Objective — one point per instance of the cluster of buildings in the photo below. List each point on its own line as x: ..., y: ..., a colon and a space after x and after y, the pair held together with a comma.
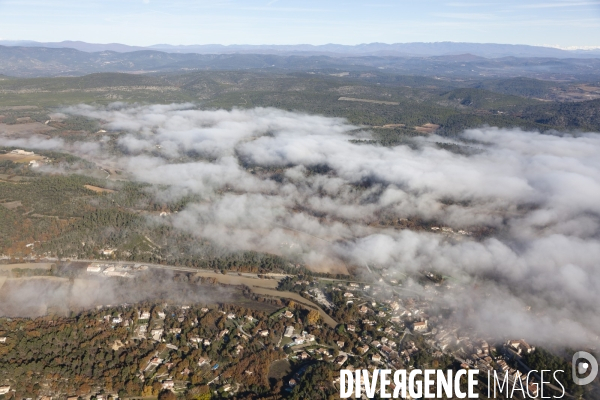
x: 298, y: 338
x: 317, y: 295
x: 20, y: 152
x: 450, y: 231
x: 115, y: 270
x: 386, y: 331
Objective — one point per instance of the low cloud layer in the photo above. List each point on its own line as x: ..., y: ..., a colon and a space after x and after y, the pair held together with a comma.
x: 34, y: 297
x: 285, y: 182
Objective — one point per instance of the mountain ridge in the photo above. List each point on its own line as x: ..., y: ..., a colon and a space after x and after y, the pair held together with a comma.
x: 45, y: 61
x: 488, y: 50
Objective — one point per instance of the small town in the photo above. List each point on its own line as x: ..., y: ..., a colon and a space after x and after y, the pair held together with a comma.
x: 224, y: 350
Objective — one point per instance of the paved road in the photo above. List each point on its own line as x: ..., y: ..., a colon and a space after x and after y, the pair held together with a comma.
x: 257, y: 285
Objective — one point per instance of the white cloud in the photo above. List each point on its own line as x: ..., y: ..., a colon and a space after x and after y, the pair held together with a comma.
x: 538, y: 194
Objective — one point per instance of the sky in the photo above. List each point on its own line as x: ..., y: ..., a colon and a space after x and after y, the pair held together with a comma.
x: 146, y: 22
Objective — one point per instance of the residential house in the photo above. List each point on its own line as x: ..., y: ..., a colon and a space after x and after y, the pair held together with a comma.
x: 223, y: 333
x: 420, y: 326
x: 341, y: 359
x: 202, y: 361
x: 289, y: 331
x: 156, y: 334
x: 520, y: 346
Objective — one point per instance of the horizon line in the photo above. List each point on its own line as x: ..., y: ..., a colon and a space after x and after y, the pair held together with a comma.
x: 549, y: 46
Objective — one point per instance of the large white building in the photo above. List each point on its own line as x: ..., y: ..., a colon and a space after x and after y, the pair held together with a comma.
x: 94, y: 269
x: 22, y: 152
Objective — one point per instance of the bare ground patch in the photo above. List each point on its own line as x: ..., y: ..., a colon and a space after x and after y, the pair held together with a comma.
x: 389, y: 103
x: 390, y: 126
x: 20, y: 158
x: 31, y: 127
x: 117, y: 345
x: 11, y: 205
x: 240, y: 280
x: 17, y: 108
x: 427, y: 128
x: 98, y: 189
x: 279, y: 369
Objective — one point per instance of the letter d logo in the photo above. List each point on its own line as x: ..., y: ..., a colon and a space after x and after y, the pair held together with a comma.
x: 583, y: 367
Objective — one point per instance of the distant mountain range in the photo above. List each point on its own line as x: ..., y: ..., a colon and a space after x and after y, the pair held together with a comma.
x: 488, y: 50
x: 24, y: 61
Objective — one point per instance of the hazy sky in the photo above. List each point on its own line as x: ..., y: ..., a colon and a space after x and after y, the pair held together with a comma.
x: 145, y: 22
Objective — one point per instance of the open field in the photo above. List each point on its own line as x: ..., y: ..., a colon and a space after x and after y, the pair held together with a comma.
x: 279, y: 369
x: 13, y: 178
x: 11, y: 205
x: 582, y: 92
x: 46, y: 266
x: 98, y: 189
x: 18, y: 108
x: 240, y: 280
x: 54, y: 279
x: 29, y: 127
x: 18, y: 158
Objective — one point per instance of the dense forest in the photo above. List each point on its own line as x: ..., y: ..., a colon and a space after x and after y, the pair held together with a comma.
x: 454, y: 103
x: 542, y: 359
